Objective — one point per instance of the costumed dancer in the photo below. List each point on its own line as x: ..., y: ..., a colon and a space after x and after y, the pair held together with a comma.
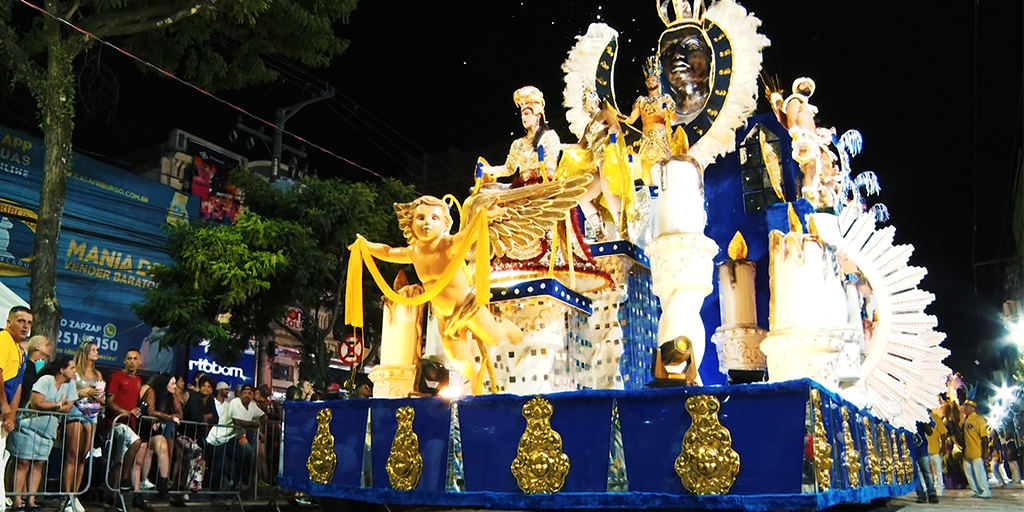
x: 534, y: 156
x: 601, y: 152
x: 976, y: 450
x: 655, y: 112
x: 527, y: 152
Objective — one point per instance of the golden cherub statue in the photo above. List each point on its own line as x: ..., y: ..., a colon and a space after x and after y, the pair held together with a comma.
x: 493, y: 222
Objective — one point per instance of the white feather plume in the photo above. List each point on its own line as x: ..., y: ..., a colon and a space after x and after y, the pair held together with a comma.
x: 741, y: 29
x: 580, y: 68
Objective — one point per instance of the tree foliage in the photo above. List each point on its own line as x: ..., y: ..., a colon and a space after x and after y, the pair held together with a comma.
x: 289, y: 249
x: 215, y: 44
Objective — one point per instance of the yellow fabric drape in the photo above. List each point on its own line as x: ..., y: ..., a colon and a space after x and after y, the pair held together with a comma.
x: 477, y: 234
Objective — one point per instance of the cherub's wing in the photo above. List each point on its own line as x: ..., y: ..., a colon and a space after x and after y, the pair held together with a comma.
x: 522, y: 215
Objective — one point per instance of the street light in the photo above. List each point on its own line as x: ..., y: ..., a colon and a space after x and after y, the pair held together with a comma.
x: 1017, y: 333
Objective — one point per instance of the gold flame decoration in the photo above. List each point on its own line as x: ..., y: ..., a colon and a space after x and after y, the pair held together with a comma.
x: 738, y: 247
x: 794, y: 221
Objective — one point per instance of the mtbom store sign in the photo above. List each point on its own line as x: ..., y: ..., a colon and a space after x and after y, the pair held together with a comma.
x: 240, y: 372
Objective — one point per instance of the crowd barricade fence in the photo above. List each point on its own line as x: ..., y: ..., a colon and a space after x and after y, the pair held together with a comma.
x: 202, y: 461
x: 270, y: 460
x: 37, y: 447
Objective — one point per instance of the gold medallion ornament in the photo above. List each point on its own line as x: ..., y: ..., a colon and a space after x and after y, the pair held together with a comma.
x: 405, y: 464
x: 707, y: 463
x: 540, y: 465
x: 322, y: 459
x: 874, y: 461
x: 822, y: 448
x: 852, y: 456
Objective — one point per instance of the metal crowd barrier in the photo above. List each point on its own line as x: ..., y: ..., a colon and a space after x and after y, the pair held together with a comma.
x: 37, y: 448
x: 194, y: 467
x: 270, y: 461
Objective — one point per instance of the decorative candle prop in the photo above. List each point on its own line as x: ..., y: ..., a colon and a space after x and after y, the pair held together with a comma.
x: 736, y: 285
x: 738, y: 339
x: 800, y: 342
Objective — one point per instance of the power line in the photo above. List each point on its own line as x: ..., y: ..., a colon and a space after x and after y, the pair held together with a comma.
x: 201, y: 90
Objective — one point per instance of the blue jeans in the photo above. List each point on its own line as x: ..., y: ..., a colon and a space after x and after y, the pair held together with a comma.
x: 232, y: 460
x: 925, y: 485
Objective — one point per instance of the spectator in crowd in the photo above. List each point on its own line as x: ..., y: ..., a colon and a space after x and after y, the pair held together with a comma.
x: 306, y: 391
x: 39, y: 351
x: 200, y: 407
x: 124, y: 396
x: 54, y: 391
x: 12, y: 359
x: 227, y: 444
x: 181, y: 392
x: 291, y: 394
x: 364, y: 386
x: 164, y: 407
x: 976, y: 450
x: 82, y: 418
x: 220, y: 400
x: 196, y: 377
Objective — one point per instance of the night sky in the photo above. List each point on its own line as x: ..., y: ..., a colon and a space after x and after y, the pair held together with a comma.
x: 935, y: 87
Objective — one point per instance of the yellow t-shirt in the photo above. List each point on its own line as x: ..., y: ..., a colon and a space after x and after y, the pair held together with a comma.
x: 938, y: 431
x: 975, y: 428
x: 10, y: 356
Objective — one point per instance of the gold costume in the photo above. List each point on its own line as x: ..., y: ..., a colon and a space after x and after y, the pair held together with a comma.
x: 654, y: 147
x: 523, y: 157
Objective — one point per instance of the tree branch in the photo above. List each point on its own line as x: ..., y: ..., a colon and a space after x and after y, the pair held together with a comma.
x: 105, y: 25
x: 73, y: 9
x: 25, y: 69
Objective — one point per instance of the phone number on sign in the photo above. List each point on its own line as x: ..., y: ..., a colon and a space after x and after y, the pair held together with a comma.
x: 74, y: 339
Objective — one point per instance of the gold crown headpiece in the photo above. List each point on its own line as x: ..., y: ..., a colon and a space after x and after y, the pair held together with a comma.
x: 682, y: 11
x: 529, y: 95
x: 652, y: 67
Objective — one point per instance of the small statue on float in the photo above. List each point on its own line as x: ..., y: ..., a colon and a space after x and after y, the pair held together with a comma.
x: 492, y: 223
x: 810, y: 144
x: 655, y: 111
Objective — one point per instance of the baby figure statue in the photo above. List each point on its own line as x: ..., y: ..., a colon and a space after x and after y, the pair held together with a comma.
x: 426, y: 224
x: 493, y: 222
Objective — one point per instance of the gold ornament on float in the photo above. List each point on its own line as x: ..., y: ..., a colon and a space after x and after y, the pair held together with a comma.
x: 899, y: 459
x: 822, y: 448
x: 405, y: 464
x: 908, y: 459
x: 886, y: 455
x: 322, y: 459
x: 540, y: 466
x: 874, y: 461
x: 852, y: 455
x: 707, y: 463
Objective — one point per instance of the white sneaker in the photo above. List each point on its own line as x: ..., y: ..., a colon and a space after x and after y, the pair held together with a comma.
x: 69, y: 508
x: 77, y: 505
x: 146, y: 484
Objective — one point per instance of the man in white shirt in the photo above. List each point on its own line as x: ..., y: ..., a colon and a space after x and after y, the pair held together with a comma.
x: 220, y: 397
x: 228, y: 451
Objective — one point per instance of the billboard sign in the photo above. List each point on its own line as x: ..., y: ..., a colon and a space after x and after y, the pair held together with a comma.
x: 111, y: 237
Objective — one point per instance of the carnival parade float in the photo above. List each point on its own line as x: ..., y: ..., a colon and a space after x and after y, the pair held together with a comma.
x: 687, y: 305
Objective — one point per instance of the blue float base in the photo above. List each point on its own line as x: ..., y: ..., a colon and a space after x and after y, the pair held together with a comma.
x: 767, y: 422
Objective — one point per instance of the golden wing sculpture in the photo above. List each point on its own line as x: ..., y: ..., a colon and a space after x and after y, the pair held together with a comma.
x: 522, y: 215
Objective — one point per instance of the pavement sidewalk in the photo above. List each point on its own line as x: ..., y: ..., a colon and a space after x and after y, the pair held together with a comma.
x: 1003, y: 499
